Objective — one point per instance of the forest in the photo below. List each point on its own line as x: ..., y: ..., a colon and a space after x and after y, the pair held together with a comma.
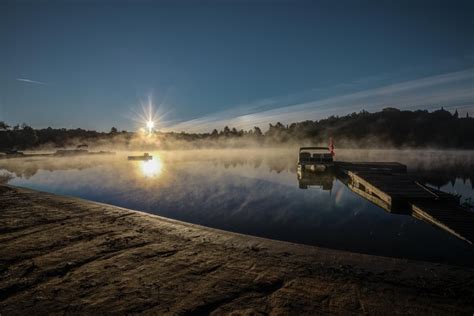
x: 387, y: 128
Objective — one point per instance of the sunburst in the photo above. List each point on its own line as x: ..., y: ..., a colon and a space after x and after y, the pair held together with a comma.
x: 150, y: 117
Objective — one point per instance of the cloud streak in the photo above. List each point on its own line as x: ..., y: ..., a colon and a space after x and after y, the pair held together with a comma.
x: 451, y: 90
x: 31, y: 81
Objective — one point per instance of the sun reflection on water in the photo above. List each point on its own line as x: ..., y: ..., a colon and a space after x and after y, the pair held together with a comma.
x: 151, y: 168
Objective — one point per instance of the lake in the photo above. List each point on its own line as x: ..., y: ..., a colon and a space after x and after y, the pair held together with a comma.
x: 257, y: 192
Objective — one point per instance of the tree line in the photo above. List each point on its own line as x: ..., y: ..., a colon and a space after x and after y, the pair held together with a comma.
x: 387, y: 128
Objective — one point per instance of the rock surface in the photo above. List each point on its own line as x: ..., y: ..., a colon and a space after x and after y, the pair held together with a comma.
x: 62, y: 255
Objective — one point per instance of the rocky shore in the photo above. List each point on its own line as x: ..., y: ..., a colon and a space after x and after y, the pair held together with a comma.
x: 62, y: 255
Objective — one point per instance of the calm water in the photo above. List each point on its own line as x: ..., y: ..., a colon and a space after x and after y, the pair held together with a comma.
x: 257, y: 192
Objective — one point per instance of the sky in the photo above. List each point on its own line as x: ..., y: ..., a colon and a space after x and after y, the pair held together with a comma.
x: 207, y: 64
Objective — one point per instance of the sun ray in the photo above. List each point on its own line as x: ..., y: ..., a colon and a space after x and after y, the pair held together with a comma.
x: 150, y: 117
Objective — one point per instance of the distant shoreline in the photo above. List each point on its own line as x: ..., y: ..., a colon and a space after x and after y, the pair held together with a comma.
x: 389, y: 128
x: 63, y: 254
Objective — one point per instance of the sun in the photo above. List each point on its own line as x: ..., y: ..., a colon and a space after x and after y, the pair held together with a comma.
x: 151, y: 118
x: 150, y: 125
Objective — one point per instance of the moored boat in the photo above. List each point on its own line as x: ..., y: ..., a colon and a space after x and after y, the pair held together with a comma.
x: 144, y: 157
x: 316, y: 159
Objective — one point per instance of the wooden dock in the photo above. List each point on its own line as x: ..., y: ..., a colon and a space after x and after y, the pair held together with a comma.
x: 389, y: 187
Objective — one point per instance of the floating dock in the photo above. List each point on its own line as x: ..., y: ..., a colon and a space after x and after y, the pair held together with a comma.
x: 388, y: 186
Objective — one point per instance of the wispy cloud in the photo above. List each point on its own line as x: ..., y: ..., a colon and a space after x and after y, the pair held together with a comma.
x: 31, y: 81
x: 451, y: 90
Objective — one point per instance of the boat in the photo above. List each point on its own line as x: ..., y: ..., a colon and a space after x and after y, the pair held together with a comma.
x: 144, y: 157
x: 316, y: 159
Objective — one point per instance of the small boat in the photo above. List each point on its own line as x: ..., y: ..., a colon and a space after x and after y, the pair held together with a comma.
x: 316, y: 159
x: 144, y: 157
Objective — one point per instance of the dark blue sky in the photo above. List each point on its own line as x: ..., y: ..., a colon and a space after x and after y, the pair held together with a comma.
x: 92, y: 62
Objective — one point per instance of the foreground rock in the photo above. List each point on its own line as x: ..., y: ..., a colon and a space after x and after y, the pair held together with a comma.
x: 65, y: 255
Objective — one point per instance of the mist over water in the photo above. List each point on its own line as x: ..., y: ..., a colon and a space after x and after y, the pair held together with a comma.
x: 256, y: 192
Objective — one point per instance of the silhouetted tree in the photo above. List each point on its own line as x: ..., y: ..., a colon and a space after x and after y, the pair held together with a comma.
x: 389, y: 127
x: 3, y: 125
x: 226, y: 131
x: 257, y: 131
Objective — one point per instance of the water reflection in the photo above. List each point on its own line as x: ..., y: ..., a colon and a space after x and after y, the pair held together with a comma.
x: 258, y: 192
x: 323, y: 180
x: 440, y: 209
x: 151, y: 168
